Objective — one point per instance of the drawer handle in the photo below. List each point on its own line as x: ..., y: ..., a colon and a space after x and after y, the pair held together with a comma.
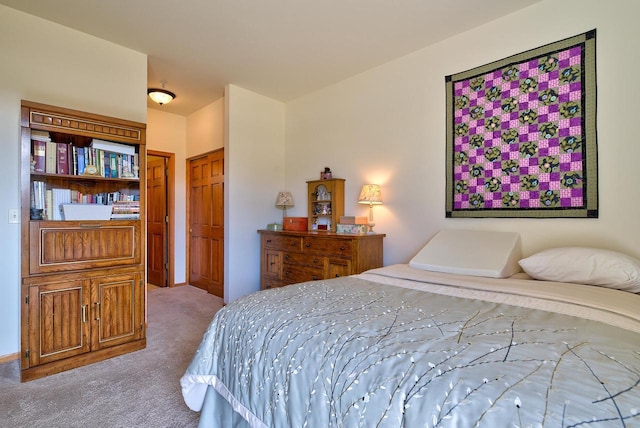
x: 315, y: 260
x: 315, y: 278
x: 337, y: 276
x: 286, y: 272
x: 90, y: 226
x: 268, y: 241
x: 287, y: 257
x: 293, y: 244
x: 308, y: 245
x: 342, y: 248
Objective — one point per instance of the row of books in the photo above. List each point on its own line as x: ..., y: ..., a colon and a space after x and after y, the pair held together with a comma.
x: 49, y: 202
x: 112, y: 160
x: 124, y: 210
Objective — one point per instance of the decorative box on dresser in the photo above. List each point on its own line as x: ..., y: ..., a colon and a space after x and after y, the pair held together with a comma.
x: 83, y: 280
x: 288, y: 257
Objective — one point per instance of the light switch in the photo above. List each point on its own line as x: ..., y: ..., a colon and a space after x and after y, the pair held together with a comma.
x: 13, y: 216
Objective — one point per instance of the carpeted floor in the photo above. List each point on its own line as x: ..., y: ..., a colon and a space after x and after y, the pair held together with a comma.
x: 140, y: 389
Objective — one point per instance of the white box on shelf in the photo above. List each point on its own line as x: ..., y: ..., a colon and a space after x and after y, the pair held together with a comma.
x: 86, y: 211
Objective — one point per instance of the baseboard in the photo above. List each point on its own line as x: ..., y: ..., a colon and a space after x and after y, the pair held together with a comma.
x: 7, y: 358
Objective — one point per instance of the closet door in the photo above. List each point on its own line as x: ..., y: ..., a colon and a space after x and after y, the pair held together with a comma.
x: 206, y: 222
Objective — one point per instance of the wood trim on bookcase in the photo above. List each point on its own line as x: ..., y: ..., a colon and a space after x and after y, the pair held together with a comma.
x: 69, y: 121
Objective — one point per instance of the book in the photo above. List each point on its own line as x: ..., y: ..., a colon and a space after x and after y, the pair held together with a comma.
x: 60, y: 197
x: 63, y: 158
x: 110, y: 146
x: 81, y: 160
x: 48, y: 204
x: 36, y: 134
x: 51, y: 158
x: 39, y: 155
x: 113, y: 162
x: 73, y: 160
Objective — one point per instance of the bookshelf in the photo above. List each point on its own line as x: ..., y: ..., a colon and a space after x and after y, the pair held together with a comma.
x: 82, y: 241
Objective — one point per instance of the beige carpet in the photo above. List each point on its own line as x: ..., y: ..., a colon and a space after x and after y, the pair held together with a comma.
x: 140, y: 389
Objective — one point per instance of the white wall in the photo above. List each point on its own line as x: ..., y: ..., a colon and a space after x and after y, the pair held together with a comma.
x: 45, y: 62
x: 205, y: 129
x: 254, y: 173
x: 167, y: 132
x: 387, y: 126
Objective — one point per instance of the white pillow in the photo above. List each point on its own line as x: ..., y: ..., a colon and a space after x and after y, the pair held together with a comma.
x: 471, y: 252
x: 584, y: 265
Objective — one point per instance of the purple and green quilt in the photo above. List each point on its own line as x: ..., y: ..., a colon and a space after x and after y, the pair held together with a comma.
x: 521, y: 135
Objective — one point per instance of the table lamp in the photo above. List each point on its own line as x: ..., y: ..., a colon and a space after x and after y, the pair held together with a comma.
x: 284, y: 200
x: 370, y: 194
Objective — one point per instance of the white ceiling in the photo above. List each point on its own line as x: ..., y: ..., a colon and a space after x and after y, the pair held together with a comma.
x: 282, y: 49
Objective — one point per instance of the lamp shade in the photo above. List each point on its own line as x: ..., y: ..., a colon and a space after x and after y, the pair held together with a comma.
x: 284, y: 200
x: 161, y: 96
x: 370, y: 194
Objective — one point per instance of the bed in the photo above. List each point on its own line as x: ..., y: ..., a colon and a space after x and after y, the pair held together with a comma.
x: 432, y: 343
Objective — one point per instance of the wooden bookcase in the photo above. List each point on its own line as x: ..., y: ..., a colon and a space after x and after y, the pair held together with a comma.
x: 82, y: 280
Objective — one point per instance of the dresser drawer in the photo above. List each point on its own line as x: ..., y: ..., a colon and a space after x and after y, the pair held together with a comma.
x: 283, y: 242
x: 328, y: 246
x: 292, y: 274
x: 303, y: 259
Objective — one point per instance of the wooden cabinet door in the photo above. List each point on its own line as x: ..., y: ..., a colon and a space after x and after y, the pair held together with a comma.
x: 206, y: 222
x: 338, y: 267
x: 272, y: 264
x: 116, y: 310
x: 59, y: 326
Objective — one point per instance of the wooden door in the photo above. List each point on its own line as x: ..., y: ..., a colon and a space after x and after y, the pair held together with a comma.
x: 206, y: 222
x: 157, y: 263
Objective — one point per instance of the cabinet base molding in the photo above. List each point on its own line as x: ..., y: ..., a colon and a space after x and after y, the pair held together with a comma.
x: 43, y: 370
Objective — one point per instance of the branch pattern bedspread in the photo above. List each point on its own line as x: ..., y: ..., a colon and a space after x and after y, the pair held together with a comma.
x: 351, y: 352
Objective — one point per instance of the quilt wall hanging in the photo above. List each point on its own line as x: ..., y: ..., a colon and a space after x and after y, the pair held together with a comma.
x: 521, y: 134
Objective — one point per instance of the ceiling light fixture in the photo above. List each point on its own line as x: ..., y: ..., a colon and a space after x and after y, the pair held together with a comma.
x: 161, y: 96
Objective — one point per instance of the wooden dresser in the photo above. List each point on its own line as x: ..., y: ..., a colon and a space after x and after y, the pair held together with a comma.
x: 287, y: 257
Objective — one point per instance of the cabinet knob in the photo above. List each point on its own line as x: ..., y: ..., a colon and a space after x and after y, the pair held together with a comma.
x: 286, y: 272
x: 287, y: 257
x: 315, y: 278
x: 315, y: 260
x: 308, y: 245
x: 268, y: 241
x: 337, y: 276
x: 342, y: 248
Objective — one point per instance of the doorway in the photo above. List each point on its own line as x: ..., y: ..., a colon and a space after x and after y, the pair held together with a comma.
x: 205, y: 219
x: 160, y: 225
